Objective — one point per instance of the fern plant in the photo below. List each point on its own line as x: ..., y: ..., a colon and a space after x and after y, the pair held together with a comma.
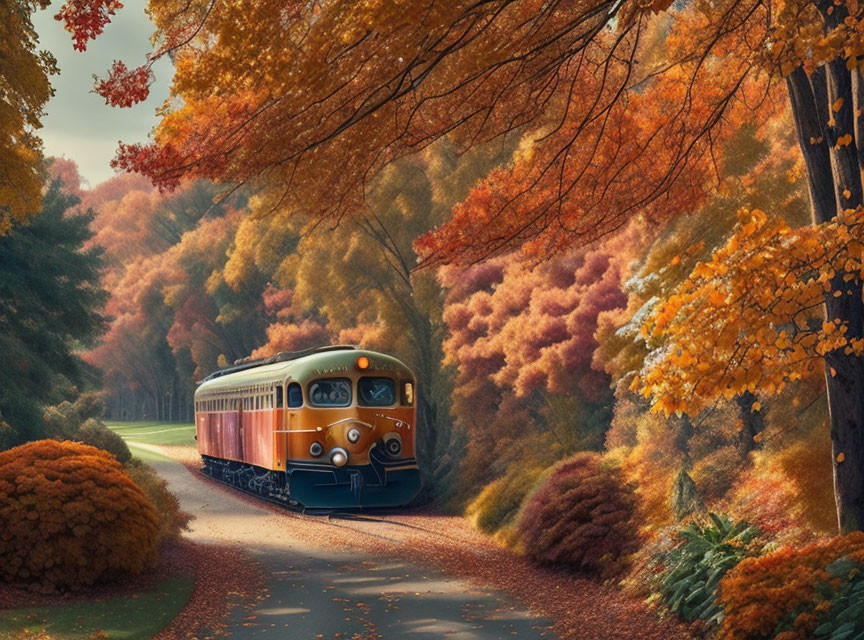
x: 845, y: 617
x: 696, y: 566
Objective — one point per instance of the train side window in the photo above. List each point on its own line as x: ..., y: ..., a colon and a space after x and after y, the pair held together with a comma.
x: 408, y: 393
x: 279, y: 397
x: 295, y: 395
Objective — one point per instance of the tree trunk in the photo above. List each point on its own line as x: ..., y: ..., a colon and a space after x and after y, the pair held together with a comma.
x: 685, y: 498
x: 753, y: 423
x: 824, y: 108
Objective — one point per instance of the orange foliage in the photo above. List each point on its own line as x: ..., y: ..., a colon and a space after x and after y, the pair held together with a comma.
x: 71, y: 516
x: 745, y: 319
x: 293, y: 337
x: 780, y: 587
x: 807, y: 466
x: 789, y: 493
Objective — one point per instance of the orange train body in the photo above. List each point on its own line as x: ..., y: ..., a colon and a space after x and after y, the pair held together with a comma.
x: 313, y: 428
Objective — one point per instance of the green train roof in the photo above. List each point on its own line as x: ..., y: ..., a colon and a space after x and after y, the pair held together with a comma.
x: 321, y: 362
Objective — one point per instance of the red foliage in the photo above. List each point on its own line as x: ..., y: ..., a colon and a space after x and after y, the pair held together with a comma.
x: 528, y: 328
x: 150, y: 160
x: 583, y: 517
x: 86, y: 19
x: 71, y: 516
x: 125, y: 87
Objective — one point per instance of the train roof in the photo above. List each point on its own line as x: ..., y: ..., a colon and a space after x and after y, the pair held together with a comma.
x: 300, y: 365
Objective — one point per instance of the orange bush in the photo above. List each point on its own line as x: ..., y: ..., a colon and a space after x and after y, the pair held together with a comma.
x: 71, y: 516
x: 778, y: 595
x: 583, y: 517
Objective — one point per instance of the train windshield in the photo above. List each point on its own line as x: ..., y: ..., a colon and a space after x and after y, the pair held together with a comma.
x: 333, y: 392
x: 376, y: 392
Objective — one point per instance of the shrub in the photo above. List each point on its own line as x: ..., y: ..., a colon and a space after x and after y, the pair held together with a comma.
x: 71, y: 516
x: 812, y: 592
x: 172, y: 521
x: 62, y: 421
x: 96, y: 434
x: 498, y: 504
x: 583, y: 517
x: 695, y: 567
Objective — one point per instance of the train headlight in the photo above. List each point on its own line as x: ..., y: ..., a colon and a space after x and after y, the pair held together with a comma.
x: 393, y: 444
x: 353, y: 435
x: 338, y: 457
x: 316, y: 449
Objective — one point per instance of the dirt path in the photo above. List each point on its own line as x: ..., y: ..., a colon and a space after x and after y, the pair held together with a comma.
x: 318, y: 591
x: 410, y: 575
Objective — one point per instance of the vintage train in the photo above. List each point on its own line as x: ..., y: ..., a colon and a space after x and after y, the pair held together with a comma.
x: 327, y: 428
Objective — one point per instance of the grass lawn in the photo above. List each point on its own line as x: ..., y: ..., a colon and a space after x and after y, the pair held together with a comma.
x: 155, y: 433
x: 139, y: 616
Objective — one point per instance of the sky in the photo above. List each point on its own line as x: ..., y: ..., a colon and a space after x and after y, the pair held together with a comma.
x: 79, y: 125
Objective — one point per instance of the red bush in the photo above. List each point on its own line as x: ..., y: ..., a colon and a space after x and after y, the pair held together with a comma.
x: 583, y: 517
x: 71, y: 516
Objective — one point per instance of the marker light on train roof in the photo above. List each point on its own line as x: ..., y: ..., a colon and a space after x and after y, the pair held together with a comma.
x: 362, y: 362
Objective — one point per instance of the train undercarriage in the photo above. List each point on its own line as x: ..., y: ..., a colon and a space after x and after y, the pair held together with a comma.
x: 310, y: 487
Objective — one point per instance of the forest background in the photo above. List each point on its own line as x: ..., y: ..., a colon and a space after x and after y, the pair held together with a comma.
x: 621, y: 262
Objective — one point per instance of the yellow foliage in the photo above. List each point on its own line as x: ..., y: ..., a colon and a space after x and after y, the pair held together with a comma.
x: 746, y: 320
x: 26, y: 89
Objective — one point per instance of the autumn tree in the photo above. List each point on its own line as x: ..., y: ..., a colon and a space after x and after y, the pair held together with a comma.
x: 521, y: 340
x: 316, y: 98
x: 354, y: 283
x: 173, y: 318
x: 25, y: 87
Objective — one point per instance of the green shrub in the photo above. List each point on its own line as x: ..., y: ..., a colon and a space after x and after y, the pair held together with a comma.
x: 845, y: 615
x: 79, y: 421
x: 695, y: 567
x: 62, y: 421
x: 96, y: 434
x: 583, y: 517
x: 172, y: 521
x: 498, y: 504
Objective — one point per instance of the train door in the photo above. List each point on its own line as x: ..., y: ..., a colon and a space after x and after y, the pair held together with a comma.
x: 280, y: 427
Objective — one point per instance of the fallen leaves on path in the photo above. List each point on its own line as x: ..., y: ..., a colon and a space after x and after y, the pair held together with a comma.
x: 225, y: 576
x: 579, y: 608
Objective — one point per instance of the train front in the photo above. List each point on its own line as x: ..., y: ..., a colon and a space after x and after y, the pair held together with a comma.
x: 351, y: 423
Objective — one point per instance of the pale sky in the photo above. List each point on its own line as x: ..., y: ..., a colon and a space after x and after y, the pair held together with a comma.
x: 79, y: 125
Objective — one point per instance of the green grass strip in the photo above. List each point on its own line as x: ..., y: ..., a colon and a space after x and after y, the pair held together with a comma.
x: 137, y: 617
